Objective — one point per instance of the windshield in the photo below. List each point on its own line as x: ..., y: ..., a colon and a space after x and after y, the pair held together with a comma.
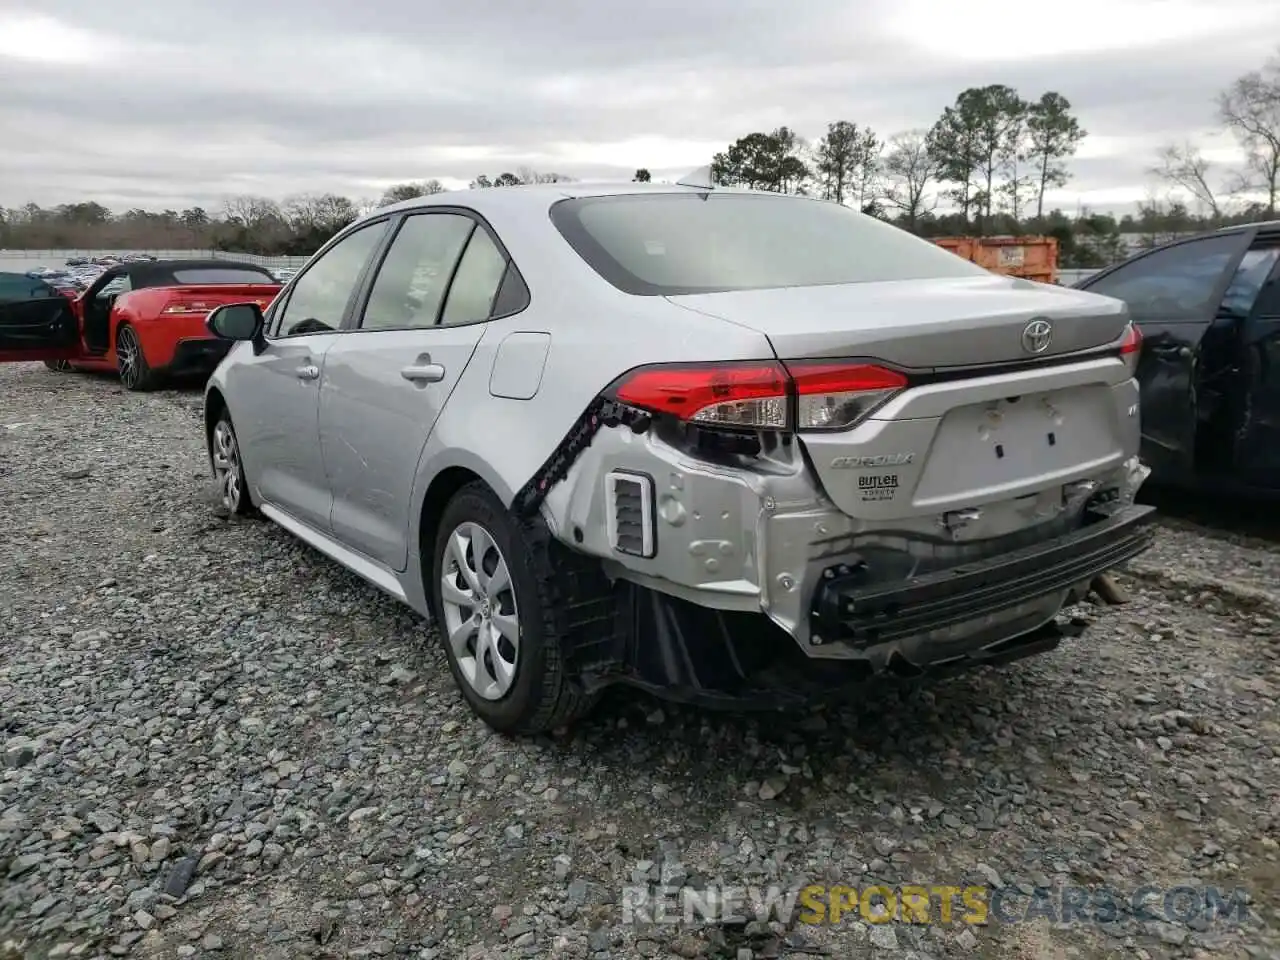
x: 222, y: 275
x: 663, y: 244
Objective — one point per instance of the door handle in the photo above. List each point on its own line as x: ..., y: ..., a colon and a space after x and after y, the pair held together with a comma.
x: 423, y: 373
x: 309, y: 372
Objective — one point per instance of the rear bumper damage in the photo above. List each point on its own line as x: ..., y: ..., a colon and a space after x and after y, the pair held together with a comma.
x: 987, y: 613
x: 913, y: 616
x: 687, y: 654
x: 736, y: 578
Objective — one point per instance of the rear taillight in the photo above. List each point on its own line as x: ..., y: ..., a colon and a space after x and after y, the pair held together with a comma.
x: 761, y: 395
x: 835, y: 396
x: 1131, y: 347
x: 744, y: 395
x: 187, y: 307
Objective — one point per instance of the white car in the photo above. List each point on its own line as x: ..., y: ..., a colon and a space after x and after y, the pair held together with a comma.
x: 723, y: 445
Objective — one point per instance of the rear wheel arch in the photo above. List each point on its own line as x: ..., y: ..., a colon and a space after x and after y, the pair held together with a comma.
x: 441, y: 490
x: 546, y: 587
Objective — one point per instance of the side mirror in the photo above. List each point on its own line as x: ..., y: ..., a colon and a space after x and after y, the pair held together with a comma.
x: 236, y: 321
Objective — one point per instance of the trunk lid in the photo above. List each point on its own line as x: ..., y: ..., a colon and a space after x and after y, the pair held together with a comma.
x: 923, y: 324
x: 992, y: 433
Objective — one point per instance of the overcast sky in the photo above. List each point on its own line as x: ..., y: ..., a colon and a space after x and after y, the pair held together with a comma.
x: 170, y: 103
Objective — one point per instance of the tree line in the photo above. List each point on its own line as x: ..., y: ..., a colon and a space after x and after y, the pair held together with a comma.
x: 991, y: 154
x: 984, y: 167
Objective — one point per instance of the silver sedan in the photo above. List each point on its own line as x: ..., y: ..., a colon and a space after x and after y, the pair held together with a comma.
x: 730, y: 447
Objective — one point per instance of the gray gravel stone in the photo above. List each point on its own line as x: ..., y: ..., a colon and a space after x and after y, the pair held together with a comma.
x: 217, y: 743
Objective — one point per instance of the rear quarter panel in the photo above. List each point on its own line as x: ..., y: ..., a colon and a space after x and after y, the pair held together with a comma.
x: 593, y: 342
x: 159, y: 336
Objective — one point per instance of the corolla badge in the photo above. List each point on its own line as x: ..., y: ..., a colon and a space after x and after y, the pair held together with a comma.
x: 879, y: 460
x: 1037, y: 335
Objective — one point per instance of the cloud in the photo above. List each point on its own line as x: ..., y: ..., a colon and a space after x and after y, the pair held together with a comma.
x: 186, y: 102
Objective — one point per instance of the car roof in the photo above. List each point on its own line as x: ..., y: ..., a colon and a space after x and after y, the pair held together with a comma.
x: 534, y: 197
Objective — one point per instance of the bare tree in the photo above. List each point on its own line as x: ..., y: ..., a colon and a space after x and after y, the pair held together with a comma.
x: 1186, y: 168
x: 910, y: 168
x: 323, y: 212
x: 1250, y: 109
x: 251, y: 212
x: 529, y: 175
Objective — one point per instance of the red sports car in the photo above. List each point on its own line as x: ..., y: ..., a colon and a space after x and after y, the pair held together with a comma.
x: 144, y: 319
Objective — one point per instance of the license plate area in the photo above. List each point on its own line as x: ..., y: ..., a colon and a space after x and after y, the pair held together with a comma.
x: 984, y: 448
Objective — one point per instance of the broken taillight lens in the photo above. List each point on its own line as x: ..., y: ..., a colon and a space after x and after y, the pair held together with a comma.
x: 761, y: 395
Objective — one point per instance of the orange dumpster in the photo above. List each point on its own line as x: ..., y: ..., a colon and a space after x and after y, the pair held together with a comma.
x: 1033, y: 258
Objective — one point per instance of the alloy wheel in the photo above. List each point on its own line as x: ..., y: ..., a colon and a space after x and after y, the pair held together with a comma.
x: 226, y: 465
x: 480, y: 614
x: 128, y: 357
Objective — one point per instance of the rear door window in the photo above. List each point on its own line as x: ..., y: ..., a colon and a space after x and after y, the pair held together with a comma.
x: 475, y: 282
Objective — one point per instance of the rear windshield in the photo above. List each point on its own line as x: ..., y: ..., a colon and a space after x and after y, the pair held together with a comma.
x: 222, y: 275
x: 673, y: 243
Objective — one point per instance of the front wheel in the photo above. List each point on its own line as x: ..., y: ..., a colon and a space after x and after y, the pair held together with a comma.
x: 492, y: 592
x: 58, y: 366
x: 132, y: 362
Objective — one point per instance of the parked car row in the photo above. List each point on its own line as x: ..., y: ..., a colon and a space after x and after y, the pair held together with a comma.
x: 729, y: 447
x: 79, y: 272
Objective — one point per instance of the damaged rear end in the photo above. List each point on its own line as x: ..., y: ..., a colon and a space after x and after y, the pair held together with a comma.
x: 928, y: 470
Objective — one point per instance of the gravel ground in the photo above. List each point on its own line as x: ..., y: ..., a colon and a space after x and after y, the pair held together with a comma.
x: 219, y: 744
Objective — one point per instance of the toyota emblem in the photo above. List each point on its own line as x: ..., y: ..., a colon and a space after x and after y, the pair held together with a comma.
x: 1036, y: 336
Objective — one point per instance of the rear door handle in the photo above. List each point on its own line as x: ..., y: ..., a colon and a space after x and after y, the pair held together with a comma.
x: 309, y: 372
x: 424, y: 373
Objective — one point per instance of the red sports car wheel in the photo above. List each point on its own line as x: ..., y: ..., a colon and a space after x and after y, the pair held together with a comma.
x: 131, y: 362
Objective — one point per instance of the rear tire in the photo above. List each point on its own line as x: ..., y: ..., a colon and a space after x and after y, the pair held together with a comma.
x: 132, y: 362
x: 58, y: 366
x: 498, y: 618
